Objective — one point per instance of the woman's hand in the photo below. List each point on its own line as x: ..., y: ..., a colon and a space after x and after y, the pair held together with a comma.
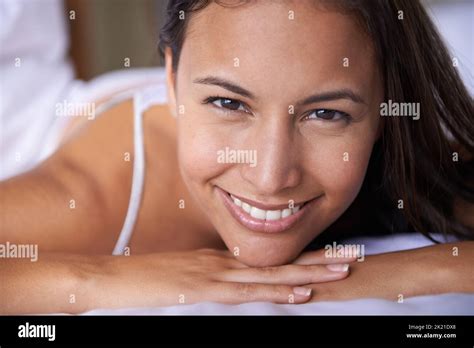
x: 167, y: 279
x: 395, y: 276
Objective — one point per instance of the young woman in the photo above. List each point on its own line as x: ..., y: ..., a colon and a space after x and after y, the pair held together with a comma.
x: 297, y: 87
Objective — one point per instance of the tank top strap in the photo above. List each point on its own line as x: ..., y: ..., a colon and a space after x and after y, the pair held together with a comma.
x: 142, y: 100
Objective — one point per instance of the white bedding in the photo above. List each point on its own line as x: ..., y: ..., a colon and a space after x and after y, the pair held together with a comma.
x: 446, y: 304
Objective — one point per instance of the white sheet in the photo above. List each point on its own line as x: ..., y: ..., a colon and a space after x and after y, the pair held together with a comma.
x: 446, y: 304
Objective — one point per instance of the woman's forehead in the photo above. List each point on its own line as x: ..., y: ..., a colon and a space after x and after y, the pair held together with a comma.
x: 288, y: 43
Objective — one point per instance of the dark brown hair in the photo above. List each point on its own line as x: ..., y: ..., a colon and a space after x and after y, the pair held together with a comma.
x: 416, y: 157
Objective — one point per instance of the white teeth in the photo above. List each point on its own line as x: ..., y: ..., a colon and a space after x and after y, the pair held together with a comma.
x: 246, y: 207
x: 237, y: 201
x: 285, y: 213
x: 261, y: 214
x: 257, y: 213
x: 273, y: 215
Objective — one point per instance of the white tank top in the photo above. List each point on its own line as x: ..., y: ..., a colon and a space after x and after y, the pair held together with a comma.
x: 142, y: 100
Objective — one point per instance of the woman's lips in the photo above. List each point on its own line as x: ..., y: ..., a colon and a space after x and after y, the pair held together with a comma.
x: 259, y: 225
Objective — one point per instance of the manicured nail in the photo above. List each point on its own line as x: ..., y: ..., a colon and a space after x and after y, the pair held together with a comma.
x: 299, y: 290
x: 338, y: 267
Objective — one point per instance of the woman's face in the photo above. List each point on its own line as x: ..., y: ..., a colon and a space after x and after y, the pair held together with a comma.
x: 277, y: 105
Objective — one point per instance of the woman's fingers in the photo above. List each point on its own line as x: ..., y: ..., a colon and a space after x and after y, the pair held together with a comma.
x: 233, y: 293
x: 288, y: 274
x: 321, y: 256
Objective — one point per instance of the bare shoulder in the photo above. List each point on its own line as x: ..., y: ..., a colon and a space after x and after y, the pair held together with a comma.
x: 95, y: 164
x: 72, y: 201
x: 104, y: 152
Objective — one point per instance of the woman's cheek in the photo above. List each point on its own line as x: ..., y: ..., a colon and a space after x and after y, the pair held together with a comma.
x: 343, y: 171
x: 198, y: 148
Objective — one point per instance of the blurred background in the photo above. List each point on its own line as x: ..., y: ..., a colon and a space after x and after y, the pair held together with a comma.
x: 84, y: 51
x: 105, y: 32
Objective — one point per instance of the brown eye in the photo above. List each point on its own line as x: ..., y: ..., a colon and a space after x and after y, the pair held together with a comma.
x: 328, y: 115
x: 230, y: 104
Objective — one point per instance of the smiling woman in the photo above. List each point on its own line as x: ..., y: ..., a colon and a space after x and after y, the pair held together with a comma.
x: 299, y: 85
x: 299, y: 118
x: 308, y: 145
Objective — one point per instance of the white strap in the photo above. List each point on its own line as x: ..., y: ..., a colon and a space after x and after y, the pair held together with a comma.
x: 137, y: 179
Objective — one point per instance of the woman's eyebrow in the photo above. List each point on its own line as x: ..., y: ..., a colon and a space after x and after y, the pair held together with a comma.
x: 333, y: 95
x: 344, y: 93
x: 230, y: 86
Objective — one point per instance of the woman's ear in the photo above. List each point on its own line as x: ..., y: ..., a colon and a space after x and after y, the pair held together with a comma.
x: 170, y: 80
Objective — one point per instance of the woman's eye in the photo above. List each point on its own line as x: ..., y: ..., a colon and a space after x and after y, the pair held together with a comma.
x: 229, y: 104
x: 328, y: 115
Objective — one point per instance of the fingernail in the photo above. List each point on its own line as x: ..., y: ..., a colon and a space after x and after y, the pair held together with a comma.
x: 299, y: 290
x: 338, y: 267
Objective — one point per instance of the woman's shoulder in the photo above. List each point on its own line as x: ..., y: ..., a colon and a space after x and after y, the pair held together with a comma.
x: 97, y: 155
x: 105, y: 146
x: 103, y: 151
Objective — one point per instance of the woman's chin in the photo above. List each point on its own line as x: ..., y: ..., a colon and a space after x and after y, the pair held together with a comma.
x: 260, y: 257
x: 263, y: 251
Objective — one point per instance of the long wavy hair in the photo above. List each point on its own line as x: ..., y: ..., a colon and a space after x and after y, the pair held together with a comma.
x: 414, y: 161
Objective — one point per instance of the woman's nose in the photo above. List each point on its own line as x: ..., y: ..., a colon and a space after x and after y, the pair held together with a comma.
x: 277, y: 158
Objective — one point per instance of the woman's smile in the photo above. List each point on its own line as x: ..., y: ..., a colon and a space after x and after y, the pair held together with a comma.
x: 260, y: 217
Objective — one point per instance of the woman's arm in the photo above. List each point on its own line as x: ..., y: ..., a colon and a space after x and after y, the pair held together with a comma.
x: 54, y: 284
x: 436, y: 269
x: 59, y: 283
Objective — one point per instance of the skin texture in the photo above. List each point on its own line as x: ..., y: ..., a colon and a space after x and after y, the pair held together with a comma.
x: 298, y: 158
